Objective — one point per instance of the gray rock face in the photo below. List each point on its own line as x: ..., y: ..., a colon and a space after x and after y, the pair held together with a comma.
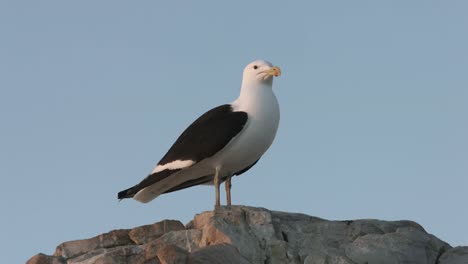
x: 217, y: 254
x: 456, y: 255
x: 244, y: 235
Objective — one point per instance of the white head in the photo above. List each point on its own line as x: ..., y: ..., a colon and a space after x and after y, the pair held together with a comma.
x: 257, y: 83
x: 260, y: 71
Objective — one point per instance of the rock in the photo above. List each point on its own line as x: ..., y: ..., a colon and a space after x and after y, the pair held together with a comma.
x: 144, y: 234
x: 405, y: 245
x: 108, y: 240
x: 172, y: 254
x: 456, y: 255
x: 44, y: 259
x: 121, y: 254
x: 185, y: 239
x: 217, y: 254
x: 264, y: 236
x: 241, y: 234
x: 248, y: 230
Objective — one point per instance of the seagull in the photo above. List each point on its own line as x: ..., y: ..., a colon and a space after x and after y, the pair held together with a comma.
x: 224, y: 142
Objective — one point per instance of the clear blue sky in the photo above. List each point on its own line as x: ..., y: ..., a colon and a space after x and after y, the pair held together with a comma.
x: 373, y: 100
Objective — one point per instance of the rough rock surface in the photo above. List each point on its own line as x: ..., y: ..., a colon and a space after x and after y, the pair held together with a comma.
x: 456, y: 255
x: 243, y: 235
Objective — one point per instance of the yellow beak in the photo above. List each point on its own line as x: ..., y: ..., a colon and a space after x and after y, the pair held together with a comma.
x: 275, y: 71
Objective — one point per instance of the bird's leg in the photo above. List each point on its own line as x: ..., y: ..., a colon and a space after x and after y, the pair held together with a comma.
x: 228, y: 185
x: 216, y: 184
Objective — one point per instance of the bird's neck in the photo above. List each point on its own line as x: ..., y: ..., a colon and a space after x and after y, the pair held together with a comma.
x: 252, y: 95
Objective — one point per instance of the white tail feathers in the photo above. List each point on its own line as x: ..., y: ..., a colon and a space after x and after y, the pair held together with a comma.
x: 147, y: 194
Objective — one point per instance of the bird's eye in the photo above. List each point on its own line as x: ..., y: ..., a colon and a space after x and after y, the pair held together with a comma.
x: 255, y: 67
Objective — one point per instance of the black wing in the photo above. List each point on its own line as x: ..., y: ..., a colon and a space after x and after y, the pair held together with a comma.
x: 210, y: 133
x: 207, y: 135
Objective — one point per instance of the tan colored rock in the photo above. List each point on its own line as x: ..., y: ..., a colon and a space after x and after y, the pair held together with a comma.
x: 188, y: 240
x: 117, y: 255
x: 111, y: 239
x: 44, y: 259
x: 238, y: 226
x: 172, y: 254
x: 144, y: 234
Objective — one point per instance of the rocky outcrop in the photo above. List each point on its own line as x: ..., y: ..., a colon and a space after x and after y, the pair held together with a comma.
x: 243, y: 235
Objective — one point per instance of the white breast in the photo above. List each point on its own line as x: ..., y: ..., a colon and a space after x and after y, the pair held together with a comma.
x: 256, y: 137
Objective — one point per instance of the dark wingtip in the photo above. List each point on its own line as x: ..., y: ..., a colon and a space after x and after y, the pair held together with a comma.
x: 124, y: 194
